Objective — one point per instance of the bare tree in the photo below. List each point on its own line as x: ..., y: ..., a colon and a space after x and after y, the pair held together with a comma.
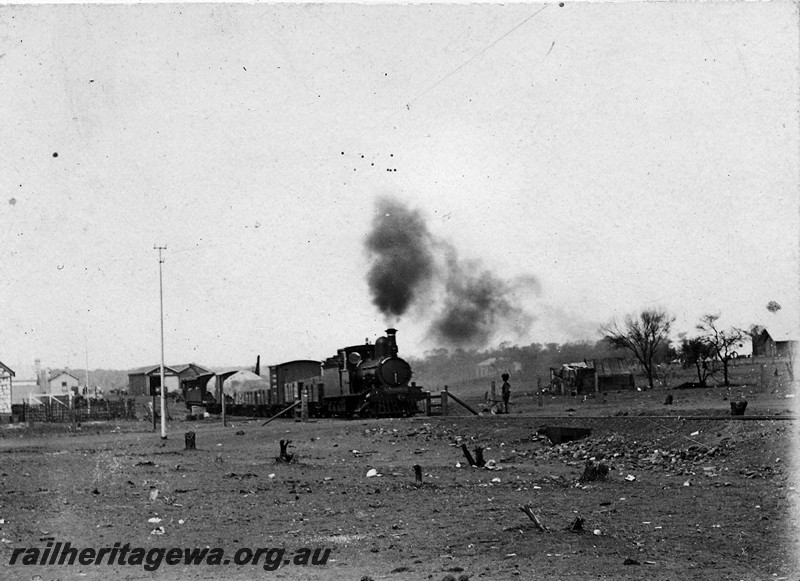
x: 724, y: 342
x: 641, y: 334
x: 696, y: 351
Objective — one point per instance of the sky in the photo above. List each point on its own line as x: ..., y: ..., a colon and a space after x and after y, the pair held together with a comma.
x: 591, y: 160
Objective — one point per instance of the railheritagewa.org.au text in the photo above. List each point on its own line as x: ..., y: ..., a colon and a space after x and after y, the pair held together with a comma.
x: 270, y: 559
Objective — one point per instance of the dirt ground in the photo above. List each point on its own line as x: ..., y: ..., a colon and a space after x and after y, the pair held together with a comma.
x: 690, y: 494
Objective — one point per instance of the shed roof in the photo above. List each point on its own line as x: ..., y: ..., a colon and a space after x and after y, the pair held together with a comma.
x: 152, y: 369
x: 185, y: 366
x: 60, y: 373
x: 780, y: 334
x: 7, y: 368
x: 782, y: 327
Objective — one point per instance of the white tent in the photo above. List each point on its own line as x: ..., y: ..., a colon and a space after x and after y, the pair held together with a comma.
x: 242, y: 384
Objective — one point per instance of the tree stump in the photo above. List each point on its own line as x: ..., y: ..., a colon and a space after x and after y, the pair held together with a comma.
x: 738, y: 407
x: 284, y: 455
x: 479, y: 461
x: 470, y: 459
x: 594, y: 471
x: 576, y: 526
x: 418, y: 473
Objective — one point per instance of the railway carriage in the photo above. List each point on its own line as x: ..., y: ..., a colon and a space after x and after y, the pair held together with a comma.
x: 366, y: 380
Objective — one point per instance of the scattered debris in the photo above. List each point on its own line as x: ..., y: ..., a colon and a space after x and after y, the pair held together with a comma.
x: 528, y: 509
x: 594, y: 471
x: 158, y: 531
x: 372, y: 473
x: 477, y: 460
x: 629, y: 561
x: 241, y: 476
x: 577, y: 525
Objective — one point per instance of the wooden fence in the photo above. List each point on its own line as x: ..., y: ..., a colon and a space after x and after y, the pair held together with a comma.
x: 55, y: 411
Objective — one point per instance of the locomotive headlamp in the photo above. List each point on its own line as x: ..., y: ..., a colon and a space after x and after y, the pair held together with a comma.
x: 354, y: 358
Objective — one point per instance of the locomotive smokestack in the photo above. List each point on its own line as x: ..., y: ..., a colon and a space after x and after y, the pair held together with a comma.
x: 390, y: 335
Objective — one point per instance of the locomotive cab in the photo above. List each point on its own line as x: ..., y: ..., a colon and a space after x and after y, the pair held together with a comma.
x: 373, y: 381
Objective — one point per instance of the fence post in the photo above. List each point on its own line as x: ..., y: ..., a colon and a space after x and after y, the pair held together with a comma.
x: 443, y: 395
x: 539, y: 391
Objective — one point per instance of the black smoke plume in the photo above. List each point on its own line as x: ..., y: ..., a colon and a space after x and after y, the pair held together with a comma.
x: 402, y: 261
x: 477, y: 304
x: 411, y: 267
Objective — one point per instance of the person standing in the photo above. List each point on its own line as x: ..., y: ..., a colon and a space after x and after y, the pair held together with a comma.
x: 506, y: 391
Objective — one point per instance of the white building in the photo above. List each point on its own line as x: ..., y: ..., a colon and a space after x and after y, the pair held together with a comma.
x: 63, y: 383
x: 6, y: 375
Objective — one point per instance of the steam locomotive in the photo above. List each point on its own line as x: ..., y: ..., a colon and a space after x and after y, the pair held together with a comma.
x: 368, y: 380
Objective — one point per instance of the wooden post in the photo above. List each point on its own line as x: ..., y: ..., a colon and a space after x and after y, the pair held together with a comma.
x: 427, y: 403
x: 443, y: 395
x: 493, y: 391
x: 304, y: 402
x: 418, y: 473
x: 222, y: 394
x: 596, y: 381
x: 280, y: 413
x: 460, y: 402
x: 190, y: 440
x: 539, y: 391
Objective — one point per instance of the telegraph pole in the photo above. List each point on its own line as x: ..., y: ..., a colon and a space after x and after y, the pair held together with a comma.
x: 86, y: 347
x: 161, y: 300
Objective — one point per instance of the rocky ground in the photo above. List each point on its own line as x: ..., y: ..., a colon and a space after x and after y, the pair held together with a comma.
x: 704, y: 498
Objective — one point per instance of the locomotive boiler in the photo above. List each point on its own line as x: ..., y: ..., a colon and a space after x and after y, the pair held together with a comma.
x: 369, y: 380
